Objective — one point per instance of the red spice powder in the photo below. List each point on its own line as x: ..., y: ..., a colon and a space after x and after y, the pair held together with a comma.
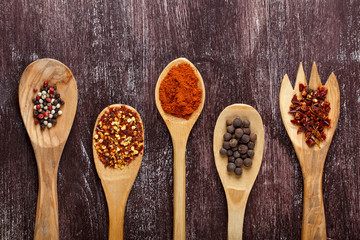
x: 179, y: 93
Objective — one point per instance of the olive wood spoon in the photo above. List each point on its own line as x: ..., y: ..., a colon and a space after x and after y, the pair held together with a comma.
x: 179, y: 129
x: 117, y: 184
x: 237, y: 188
x: 49, y: 143
x: 311, y: 159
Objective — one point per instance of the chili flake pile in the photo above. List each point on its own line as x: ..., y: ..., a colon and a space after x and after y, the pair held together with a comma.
x: 119, y: 137
x: 311, y: 113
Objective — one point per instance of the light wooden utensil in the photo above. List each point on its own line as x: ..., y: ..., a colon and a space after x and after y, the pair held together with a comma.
x: 179, y: 129
x: 117, y: 184
x: 237, y: 188
x: 311, y: 159
x: 49, y: 143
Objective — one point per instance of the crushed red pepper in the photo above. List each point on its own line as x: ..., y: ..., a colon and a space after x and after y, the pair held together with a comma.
x: 119, y: 137
x: 311, y: 113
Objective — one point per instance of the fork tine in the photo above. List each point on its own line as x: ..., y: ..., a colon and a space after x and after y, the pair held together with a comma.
x: 300, y: 78
x: 315, y: 81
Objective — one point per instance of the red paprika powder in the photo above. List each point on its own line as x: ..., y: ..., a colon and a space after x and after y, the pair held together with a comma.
x: 179, y: 92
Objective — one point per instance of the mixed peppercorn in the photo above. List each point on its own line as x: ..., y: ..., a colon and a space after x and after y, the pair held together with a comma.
x: 118, y: 137
x: 311, y: 113
x: 238, y: 145
x: 47, y: 104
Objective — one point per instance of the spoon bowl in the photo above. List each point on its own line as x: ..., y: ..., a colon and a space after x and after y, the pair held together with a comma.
x: 117, y: 183
x: 237, y: 188
x: 311, y: 159
x: 49, y: 143
x: 179, y: 129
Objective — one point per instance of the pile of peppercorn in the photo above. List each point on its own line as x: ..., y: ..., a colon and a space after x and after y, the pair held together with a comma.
x: 238, y: 145
x: 47, y: 105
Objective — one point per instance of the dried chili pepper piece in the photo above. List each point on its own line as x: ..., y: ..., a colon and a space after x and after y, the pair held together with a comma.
x: 118, y: 139
x: 311, y: 113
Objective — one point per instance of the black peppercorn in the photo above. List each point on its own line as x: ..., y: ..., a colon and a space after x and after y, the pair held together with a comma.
x: 226, y: 144
x: 251, y: 145
x: 247, y: 162
x: 238, y: 171
x: 253, y: 137
x: 233, y: 143
x: 57, y: 96
x: 42, y: 126
x: 239, y: 162
x: 227, y: 136
x: 243, y: 148
x: 246, y: 123
x: 234, y: 148
x: 229, y: 153
x: 246, y: 131
x: 231, y: 167
x: 238, y: 133
x: 230, y: 129
x: 228, y: 122
x: 243, y: 156
x: 250, y: 153
x: 245, y: 138
x: 236, y: 154
x: 223, y: 151
x: 237, y: 122
x: 231, y: 159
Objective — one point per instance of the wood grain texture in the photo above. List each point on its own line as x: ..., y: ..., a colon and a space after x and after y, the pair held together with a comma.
x: 116, y: 51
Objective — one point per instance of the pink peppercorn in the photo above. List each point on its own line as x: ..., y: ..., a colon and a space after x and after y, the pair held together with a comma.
x: 48, y: 99
x: 46, y: 114
x: 40, y: 116
x: 51, y: 90
x: 50, y: 107
x: 38, y: 107
x: 35, y: 89
x: 46, y: 84
x: 37, y: 98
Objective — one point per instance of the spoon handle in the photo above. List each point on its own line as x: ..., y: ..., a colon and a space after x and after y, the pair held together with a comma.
x: 179, y: 145
x: 117, y: 192
x: 236, y: 200
x: 313, y: 223
x: 47, y: 219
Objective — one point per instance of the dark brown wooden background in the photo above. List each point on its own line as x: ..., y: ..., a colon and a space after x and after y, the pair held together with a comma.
x: 117, y: 50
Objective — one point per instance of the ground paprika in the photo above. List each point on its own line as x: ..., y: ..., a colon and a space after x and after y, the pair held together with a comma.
x: 179, y: 92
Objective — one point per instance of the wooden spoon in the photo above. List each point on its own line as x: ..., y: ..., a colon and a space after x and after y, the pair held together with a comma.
x: 179, y: 129
x: 237, y: 188
x: 117, y: 184
x: 49, y: 143
x: 311, y: 159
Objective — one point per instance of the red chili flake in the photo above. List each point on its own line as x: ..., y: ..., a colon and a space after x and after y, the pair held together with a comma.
x: 48, y: 99
x: 36, y: 121
x: 50, y: 107
x: 46, y: 114
x: 51, y: 90
x: 37, y: 98
x: 311, y: 113
x: 119, y: 137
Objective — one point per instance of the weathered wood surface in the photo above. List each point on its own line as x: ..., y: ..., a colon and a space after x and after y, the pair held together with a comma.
x: 116, y: 51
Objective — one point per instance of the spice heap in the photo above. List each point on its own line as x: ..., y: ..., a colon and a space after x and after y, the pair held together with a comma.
x: 119, y: 137
x: 311, y: 113
x: 47, y: 104
x: 179, y: 93
x: 239, y: 143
